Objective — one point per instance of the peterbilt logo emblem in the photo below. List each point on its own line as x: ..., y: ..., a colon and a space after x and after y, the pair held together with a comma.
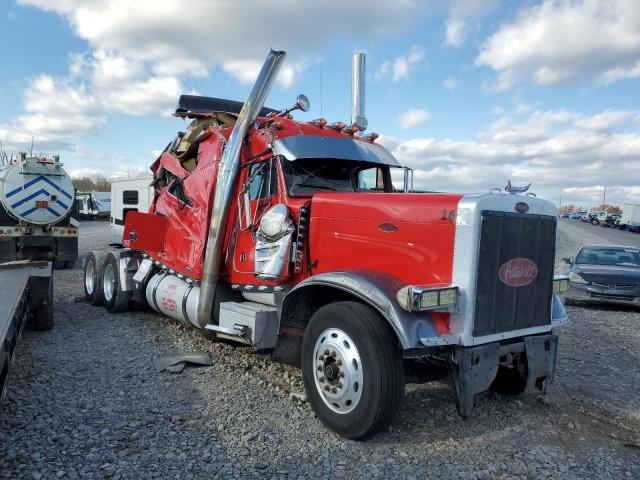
x: 518, y: 272
x: 522, y: 207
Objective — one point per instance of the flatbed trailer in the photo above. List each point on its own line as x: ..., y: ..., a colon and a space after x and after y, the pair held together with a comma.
x: 26, y: 301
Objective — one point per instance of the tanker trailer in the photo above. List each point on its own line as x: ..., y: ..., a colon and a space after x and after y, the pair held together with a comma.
x: 37, y: 213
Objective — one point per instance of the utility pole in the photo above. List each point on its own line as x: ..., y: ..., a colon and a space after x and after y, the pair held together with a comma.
x: 560, y: 206
x: 604, y: 196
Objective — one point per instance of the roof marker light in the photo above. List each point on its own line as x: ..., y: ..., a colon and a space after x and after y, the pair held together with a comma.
x: 336, y: 125
x: 372, y: 136
x: 319, y: 122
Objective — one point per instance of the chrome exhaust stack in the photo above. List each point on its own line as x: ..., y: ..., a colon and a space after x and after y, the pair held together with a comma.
x: 358, y: 72
x: 227, y: 175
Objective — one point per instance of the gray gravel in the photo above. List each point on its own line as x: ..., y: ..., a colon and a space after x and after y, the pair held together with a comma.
x: 85, y: 402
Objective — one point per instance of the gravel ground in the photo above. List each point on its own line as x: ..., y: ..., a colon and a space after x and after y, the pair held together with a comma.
x: 85, y: 402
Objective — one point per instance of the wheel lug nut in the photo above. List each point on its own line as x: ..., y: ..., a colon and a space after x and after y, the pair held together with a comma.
x: 321, y: 358
x: 327, y: 388
x: 341, y: 374
x: 334, y: 390
x: 333, y: 354
x: 321, y: 379
x: 326, y: 352
x: 319, y: 368
x: 340, y: 385
x: 339, y: 362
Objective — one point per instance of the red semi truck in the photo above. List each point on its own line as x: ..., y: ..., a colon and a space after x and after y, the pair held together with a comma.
x: 291, y: 236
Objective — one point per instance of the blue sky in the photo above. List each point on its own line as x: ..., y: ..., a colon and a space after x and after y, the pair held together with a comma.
x: 469, y: 93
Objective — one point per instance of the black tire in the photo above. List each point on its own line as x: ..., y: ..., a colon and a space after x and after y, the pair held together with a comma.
x: 381, y: 372
x: 42, y: 316
x: 92, y: 274
x: 595, y: 222
x: 115, y: 300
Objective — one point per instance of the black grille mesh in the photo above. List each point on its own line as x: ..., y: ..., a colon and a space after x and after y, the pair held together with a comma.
x: 505, y: 236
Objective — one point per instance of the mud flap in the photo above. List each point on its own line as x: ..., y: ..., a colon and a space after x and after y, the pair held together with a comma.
x: 473, y: 373
x: 541, y: 361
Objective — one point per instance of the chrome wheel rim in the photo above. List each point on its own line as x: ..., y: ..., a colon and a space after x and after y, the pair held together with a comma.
x: 89, y: 280
x: 337, y: 370
x: 109, y: 282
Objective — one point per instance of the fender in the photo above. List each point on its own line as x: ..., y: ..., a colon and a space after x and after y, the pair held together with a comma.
x: 377, y: 290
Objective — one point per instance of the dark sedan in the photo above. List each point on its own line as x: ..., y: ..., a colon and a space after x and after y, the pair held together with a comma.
x: 605, y: 273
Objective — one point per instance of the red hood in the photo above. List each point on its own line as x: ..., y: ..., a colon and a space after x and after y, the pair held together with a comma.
x: 410, y: 236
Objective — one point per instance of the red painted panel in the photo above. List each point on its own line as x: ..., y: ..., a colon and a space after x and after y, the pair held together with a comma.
x: 410, y: 236
x: 145, y: 231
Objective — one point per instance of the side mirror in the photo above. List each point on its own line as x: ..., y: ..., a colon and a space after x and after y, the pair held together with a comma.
x: 567, y: 260
x: 302, y: 103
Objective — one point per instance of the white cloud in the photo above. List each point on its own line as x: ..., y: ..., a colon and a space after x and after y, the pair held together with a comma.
x: 246, y: 71
x: 187, y: 41
x: 565, y: 40
x: 462, y: 19
x: 455, y: 32
x: 61, y: 109
x: 400, y: 68
x: 414, y: 117
x: 561, y: 152
x: 450, y: 83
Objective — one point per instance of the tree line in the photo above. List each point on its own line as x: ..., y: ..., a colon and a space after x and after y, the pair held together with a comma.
x: 95, y: 184
x: 570, y: 207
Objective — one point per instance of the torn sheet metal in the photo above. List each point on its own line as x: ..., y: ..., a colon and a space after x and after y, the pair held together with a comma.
x: 175, y: 362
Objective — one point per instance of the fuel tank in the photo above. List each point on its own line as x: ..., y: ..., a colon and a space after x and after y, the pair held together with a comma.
x: 173, y: 297
x: 410, y: 236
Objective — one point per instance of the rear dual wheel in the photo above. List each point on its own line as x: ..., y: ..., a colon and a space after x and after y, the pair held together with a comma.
x: 352, y: 369
x: 93, y: 270
x: 102, y: 283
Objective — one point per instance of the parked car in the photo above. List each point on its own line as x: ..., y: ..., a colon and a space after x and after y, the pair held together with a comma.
x: 605, y: 273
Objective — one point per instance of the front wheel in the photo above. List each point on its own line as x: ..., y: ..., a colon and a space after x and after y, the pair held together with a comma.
x: 594, y: 222
x: 352, y: 369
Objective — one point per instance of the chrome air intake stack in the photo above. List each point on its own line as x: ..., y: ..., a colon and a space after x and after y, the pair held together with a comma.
x: 358, y: 72
x: 227, y: 175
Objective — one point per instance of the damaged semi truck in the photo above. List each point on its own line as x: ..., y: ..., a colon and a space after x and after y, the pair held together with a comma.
x: 291, y: 236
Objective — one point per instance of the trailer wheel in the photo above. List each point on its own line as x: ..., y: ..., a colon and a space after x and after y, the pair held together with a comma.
x: 42, y: 316
x: 115, y: 299
x: 352, y: 369
x: 93, y: 269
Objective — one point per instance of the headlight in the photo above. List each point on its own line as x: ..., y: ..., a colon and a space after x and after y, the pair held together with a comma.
x: 576, y: 278
x: 275, y: 223
x: 416, y: 299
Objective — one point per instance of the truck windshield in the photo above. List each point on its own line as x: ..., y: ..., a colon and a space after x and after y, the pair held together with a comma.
x: 307, y: 176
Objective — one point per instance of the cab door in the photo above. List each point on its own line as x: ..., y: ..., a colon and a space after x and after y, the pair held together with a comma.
x: 259, y: 193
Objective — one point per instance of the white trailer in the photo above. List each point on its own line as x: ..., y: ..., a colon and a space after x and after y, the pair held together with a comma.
x: 128, y: 195
x: 630, y: 216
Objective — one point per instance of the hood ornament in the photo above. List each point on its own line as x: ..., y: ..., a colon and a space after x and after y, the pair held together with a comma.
x: 513, y: 189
